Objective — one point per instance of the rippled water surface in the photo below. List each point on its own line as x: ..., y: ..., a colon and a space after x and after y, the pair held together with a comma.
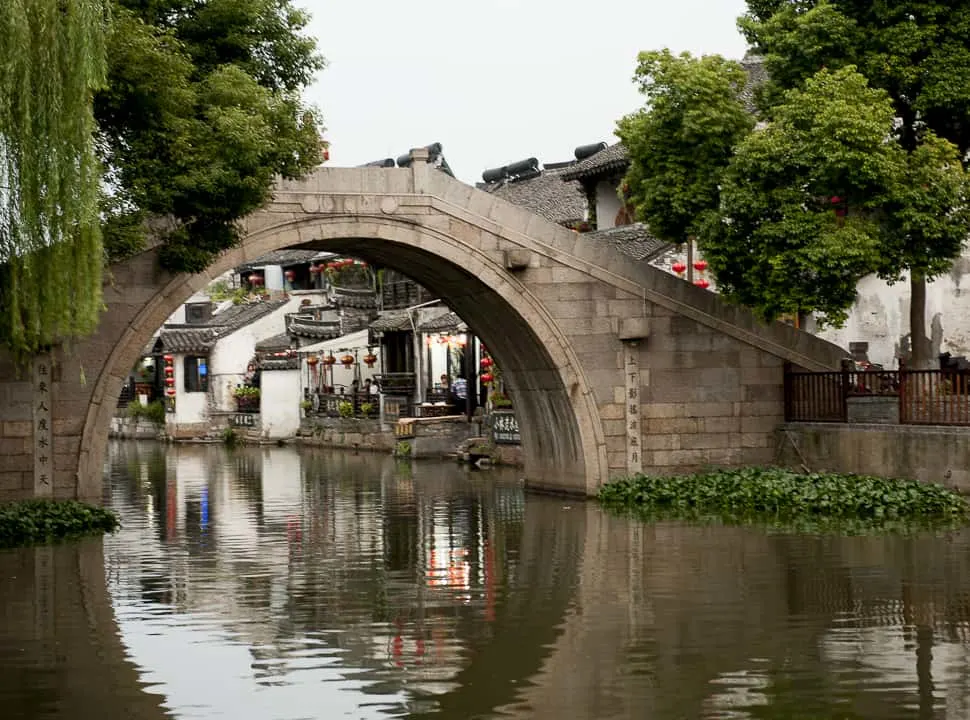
x: 277, y: 585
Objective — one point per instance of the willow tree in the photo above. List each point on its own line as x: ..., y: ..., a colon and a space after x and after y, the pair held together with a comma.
x: 52, y: 59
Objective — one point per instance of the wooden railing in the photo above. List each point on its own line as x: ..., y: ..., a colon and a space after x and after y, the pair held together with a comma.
x: 925, y: 397
x: 935, y: 397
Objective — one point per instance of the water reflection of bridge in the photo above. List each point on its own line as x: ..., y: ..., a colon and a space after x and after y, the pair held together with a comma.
x: 60, y: 649
x: 618, y: 618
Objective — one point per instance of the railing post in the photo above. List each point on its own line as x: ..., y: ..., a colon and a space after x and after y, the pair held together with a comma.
x: 787, y: 384
x: 845, y: 391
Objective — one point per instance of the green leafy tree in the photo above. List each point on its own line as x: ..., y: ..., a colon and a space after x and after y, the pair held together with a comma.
x: 52, y: 58
x: 680, y: 143
x: 201, y: 112
x: 918, y: 51
x: 802, y: 202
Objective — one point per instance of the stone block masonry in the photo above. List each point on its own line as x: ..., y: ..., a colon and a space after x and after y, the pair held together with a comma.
x: 561, y: 323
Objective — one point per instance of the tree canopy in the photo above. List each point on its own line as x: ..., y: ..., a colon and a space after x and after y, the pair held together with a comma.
x: 201, y: 111
x: 801, y: 204
x: 918, y: 52
x: 680, y: 143
x: 52, y: 58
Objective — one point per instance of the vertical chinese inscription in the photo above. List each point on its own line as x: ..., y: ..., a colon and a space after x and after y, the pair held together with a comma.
x: 43, y: 437
x: 631, y: 372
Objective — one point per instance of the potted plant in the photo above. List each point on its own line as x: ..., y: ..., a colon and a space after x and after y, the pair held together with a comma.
x: 247, y: 398
x: 367, y: 409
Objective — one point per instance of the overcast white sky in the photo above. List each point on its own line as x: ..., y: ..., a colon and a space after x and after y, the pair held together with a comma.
x: 495, y: 81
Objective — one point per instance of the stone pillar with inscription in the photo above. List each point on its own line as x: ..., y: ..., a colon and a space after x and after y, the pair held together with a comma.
x: 631, y: 372
x: 43, y: 445
x: 632, y: 332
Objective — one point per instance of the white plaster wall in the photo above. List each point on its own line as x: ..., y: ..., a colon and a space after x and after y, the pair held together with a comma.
x: 230, y: 356
x: 279, y: 407
x: 189, y: 407
x: 273, y: 275
x: 880, y: 315
x: 607, y: 205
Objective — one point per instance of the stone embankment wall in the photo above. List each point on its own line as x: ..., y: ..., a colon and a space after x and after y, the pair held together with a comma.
x: 930, y: 454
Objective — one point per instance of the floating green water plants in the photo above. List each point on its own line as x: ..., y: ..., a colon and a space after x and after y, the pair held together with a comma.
x: 39, y: 521
x: 808, y: 502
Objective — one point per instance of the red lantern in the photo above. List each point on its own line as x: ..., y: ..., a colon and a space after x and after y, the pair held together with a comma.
x: 170, y: 381
x: 487, y: 378
x: 169, y: 371
x: 256, y: 279
x: 290, y: 275
x: 678, y: 267
x: 700, y: 266
x: 702, y: 284
x: 370, y: 359
x: 487, y: 362
x: 314, y: 269
x: 170, y: 392
x: 836, y: 200
x: 312, y: 360
x: 329, y: 360
x: 168, y: 359
x: 347, y: 360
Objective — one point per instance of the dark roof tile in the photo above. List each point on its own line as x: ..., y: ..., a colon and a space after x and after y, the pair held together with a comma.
x: 276, y: 342
x: 546, y: 195
x: 392, y: 322
x: 635, y: 241
x: 282, y: 257
x: 445, y: 322
x: 610, y: 161
x: 185, y: 340
x: 310, y: 328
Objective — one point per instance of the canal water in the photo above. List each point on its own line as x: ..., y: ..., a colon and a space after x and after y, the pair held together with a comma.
x: 273, y: 584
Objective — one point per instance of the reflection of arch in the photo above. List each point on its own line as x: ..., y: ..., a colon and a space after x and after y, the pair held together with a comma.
x: 562, y: 435
x: 58, y: 614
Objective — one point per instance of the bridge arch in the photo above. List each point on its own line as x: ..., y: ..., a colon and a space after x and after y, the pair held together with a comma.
x: 567, y: 318
x: 562, y: 434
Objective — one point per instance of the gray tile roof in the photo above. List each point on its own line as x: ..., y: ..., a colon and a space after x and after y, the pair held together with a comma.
x: 546, y: 195
x: 446, y: 322
x: 634, y: 240
x: 392, y: 322
x: 276, y: 342
x: 311, y: 328
x: 186, y: 340
x: 754, y: 66
x: 610, y: 161
x: 354, y: 298
x: 200, y: 337
x: 282, y: 257
x: 279, y: 363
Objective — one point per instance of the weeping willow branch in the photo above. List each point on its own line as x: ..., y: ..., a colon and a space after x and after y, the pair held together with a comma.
x: 52, y: 59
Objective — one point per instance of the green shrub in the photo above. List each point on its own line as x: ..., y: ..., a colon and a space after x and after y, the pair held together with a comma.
x: 346, y: 409
x: 402, y: 449
x: 230, y: 437
x: 367, y: 409
x: 775, y: 494
x: 154, y: 412
x: 38, y: 521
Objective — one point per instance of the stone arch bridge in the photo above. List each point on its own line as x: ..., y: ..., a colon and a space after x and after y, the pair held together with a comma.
x: 613, y: 365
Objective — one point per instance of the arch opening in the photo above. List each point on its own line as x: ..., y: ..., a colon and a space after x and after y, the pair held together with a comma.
x: 561, y: 434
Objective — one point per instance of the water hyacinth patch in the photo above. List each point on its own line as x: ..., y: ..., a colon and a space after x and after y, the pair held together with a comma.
x: 39, y: 521
x: 812, y: 501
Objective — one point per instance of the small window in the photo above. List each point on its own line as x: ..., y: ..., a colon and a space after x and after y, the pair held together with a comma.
x: 196, y: 374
